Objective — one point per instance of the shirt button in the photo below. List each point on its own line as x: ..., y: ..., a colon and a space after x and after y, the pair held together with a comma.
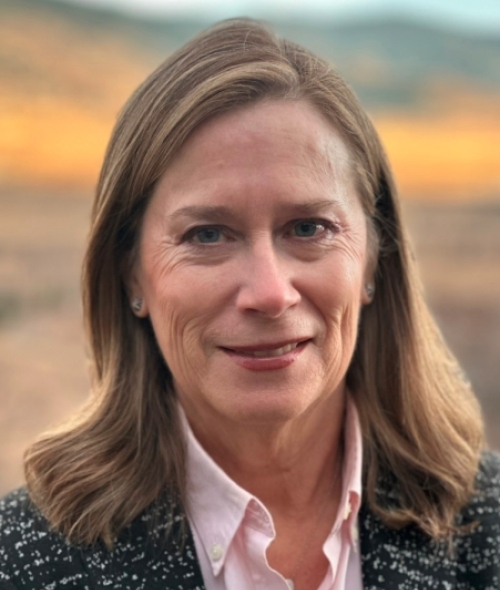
x: 216, y: 552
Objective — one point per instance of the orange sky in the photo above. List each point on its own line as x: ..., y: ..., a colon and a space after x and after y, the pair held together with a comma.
x: 59, y: 143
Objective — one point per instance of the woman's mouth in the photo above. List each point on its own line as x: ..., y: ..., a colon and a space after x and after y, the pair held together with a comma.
x: 266, y: 357
x: 269, y: 353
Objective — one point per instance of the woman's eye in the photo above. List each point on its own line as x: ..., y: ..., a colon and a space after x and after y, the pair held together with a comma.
x: 208, y: 235
x: 307, y: 229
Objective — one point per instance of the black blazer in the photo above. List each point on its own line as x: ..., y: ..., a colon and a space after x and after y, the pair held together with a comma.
x: 34, y: 557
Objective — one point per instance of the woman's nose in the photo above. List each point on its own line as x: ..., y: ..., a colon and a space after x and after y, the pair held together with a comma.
x: 267, y: 284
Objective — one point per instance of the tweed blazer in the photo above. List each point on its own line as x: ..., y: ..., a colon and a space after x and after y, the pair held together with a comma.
x: 32, y: 557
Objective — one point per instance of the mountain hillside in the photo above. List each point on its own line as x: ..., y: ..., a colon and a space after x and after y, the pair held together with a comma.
x: 66, y: 70
x: 387, y: 60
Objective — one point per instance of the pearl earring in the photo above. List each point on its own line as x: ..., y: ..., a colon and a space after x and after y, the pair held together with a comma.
x: 370, y: 290
x: 137, y: 305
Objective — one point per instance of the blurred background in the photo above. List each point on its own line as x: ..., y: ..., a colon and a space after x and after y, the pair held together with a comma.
x: 427, y: 72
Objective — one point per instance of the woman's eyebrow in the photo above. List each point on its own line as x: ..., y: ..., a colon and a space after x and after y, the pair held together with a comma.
x: 222, y: 212
x: 309, y: 208
x: 215, y: 212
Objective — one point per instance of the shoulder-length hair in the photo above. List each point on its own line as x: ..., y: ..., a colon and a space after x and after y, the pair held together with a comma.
x: 421, y: 423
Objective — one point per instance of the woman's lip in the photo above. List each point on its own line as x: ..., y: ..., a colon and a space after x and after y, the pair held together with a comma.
x: 263, y: 347
x: 246, y: 359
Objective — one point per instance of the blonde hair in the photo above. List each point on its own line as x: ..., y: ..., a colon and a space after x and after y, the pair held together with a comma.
x: 422, y: 427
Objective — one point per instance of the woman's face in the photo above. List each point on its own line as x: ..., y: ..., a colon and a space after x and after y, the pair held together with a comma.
x: 252, y: 265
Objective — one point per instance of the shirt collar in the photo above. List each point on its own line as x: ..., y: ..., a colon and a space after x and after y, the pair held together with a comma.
x: 217, y: 504
x: 351, y: 471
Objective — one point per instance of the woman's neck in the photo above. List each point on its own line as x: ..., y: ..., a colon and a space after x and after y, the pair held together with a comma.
x: 289, y: 466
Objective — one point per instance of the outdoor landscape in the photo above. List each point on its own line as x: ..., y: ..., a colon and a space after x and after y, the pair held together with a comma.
x: 65, y: 72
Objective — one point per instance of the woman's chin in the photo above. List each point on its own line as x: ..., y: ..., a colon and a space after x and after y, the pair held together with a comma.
x: 268, y: 408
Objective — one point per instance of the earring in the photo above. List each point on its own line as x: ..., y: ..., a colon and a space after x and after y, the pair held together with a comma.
x: 137, y: 305
x: 370, y: 290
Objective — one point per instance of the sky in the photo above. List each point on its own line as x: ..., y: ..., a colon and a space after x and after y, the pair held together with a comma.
x: 473, y: 15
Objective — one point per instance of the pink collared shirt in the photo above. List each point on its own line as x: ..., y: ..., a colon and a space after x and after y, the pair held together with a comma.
x: 232, y: 529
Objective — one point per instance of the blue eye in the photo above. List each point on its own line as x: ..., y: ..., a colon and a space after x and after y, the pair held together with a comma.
x: 208, y: 235
x: 306, y: 229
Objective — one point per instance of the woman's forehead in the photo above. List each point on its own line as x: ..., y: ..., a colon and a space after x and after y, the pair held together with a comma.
x: 272, y: 143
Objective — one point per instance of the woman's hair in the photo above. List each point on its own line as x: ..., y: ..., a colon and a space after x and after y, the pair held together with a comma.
x: 421, y: 423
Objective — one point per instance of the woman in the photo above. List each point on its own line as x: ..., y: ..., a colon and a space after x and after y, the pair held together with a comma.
x: 267, y: 378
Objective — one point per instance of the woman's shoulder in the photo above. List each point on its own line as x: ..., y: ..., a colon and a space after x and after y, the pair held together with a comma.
x: 490, y: 466
x: 487, y: 496
x: 30, y: 550
x: 16, y: 506
x: 33, y: 555
x: 479, y: 545
x: 20, y: 518
x: 484, y: 506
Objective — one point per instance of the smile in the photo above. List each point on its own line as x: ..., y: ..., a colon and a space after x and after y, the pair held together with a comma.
x: 269, y: 353
x: 267, y: 357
